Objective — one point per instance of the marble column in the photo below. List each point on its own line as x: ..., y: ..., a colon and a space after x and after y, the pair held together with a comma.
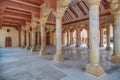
x: 108, y: 38
x: 94, y: 67
x: 77, y: 38
x: 59, y: 57
x: 63, y: 37
x: 101, y: 38
x: 23, y: 38
x: 51, y: 38
x: 27, y: 40
x: 88, y: 38
x: 116, y: 39
x: 33, y: 48
x: 71, y: 38
x: 68, y: 38
x: 43, y: 50
x: 38, y: 39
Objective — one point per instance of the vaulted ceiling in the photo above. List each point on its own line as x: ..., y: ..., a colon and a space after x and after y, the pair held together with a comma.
x: 17, y: 12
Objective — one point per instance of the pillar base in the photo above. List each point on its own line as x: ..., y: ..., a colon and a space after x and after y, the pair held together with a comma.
x: 26, y: 48
x: 59, y: 58
x: 115, y: 59
x: 77, y: 46
x: 93, y: 69
x: 101, y: 45
x: 68, y: 45
x: 38, y: 47
x: 43, y: 52
x: 108, y: 48
x: 33, y: 49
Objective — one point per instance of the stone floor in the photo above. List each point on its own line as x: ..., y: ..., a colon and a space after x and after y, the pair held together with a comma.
x: 21, y: 64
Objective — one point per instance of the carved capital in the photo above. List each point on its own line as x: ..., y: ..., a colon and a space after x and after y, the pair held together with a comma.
x: 44, y: 13
x: 94, y: 2
x: 62, y: 5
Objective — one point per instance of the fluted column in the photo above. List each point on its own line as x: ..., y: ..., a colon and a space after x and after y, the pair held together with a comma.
x: 43, y: 50
x: 115, y: 8
x: 77, y: 38
x: 68, y: 38
x: 27, y: 40
x: 33, y: 48
x: 93, y: 67
x: 101, y: 37
x: 108, y: 38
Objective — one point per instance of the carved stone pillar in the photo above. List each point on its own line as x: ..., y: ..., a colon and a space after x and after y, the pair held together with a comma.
x: 44, y: 13
x: 108, y: 38
x: 51, y: 38
x: 88, y: 38
x: 101, y: 37
x: 63, y: 37
x: 58, y: 56
x: 71, y: 38
x: 115, y: 8
x: 94, y: 67
x: 43, y: 50
x: 38, y: 37
x: 62, y: 5
x: 68, y: 38
x: 78, y: 38
x: 23, y: 38
x: 33, y: 40
x: 27, y: 40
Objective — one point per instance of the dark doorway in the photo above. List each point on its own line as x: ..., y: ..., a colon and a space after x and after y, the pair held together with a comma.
x: 8, y: 42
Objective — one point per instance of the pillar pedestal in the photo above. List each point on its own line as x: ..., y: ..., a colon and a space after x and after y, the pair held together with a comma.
x: 59, y: 58
x: 33, y: 49
x: 115, y: 59
x: 96, y: 70
x: 108, y: 48
x: 26, y: 48
x: 43, y: 52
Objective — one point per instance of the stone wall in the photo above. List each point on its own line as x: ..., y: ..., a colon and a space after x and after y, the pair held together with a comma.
x: 13, y: 33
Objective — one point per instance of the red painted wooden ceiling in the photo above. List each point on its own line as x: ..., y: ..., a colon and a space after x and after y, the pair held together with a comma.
x: 18, y: 12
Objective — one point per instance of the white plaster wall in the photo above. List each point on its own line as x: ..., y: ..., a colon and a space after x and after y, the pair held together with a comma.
x: 13, y: 34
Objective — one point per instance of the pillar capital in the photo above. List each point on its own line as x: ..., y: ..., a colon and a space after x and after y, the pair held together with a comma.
x: 115, y: 7
x: 44, y: 12
x: 94, y: 2
x: 62, y: 5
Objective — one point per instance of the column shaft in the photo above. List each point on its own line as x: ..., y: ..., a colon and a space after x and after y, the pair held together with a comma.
x: 43, y: 51
x: 33, y: 41
x: 108, y: 38
x: 116, y: 40
x: 78, y: 38
x: 27, y: 40
x: 94, y: 67
x: 68, y: 38
x: 101, y: 38
x: 59, y: 56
